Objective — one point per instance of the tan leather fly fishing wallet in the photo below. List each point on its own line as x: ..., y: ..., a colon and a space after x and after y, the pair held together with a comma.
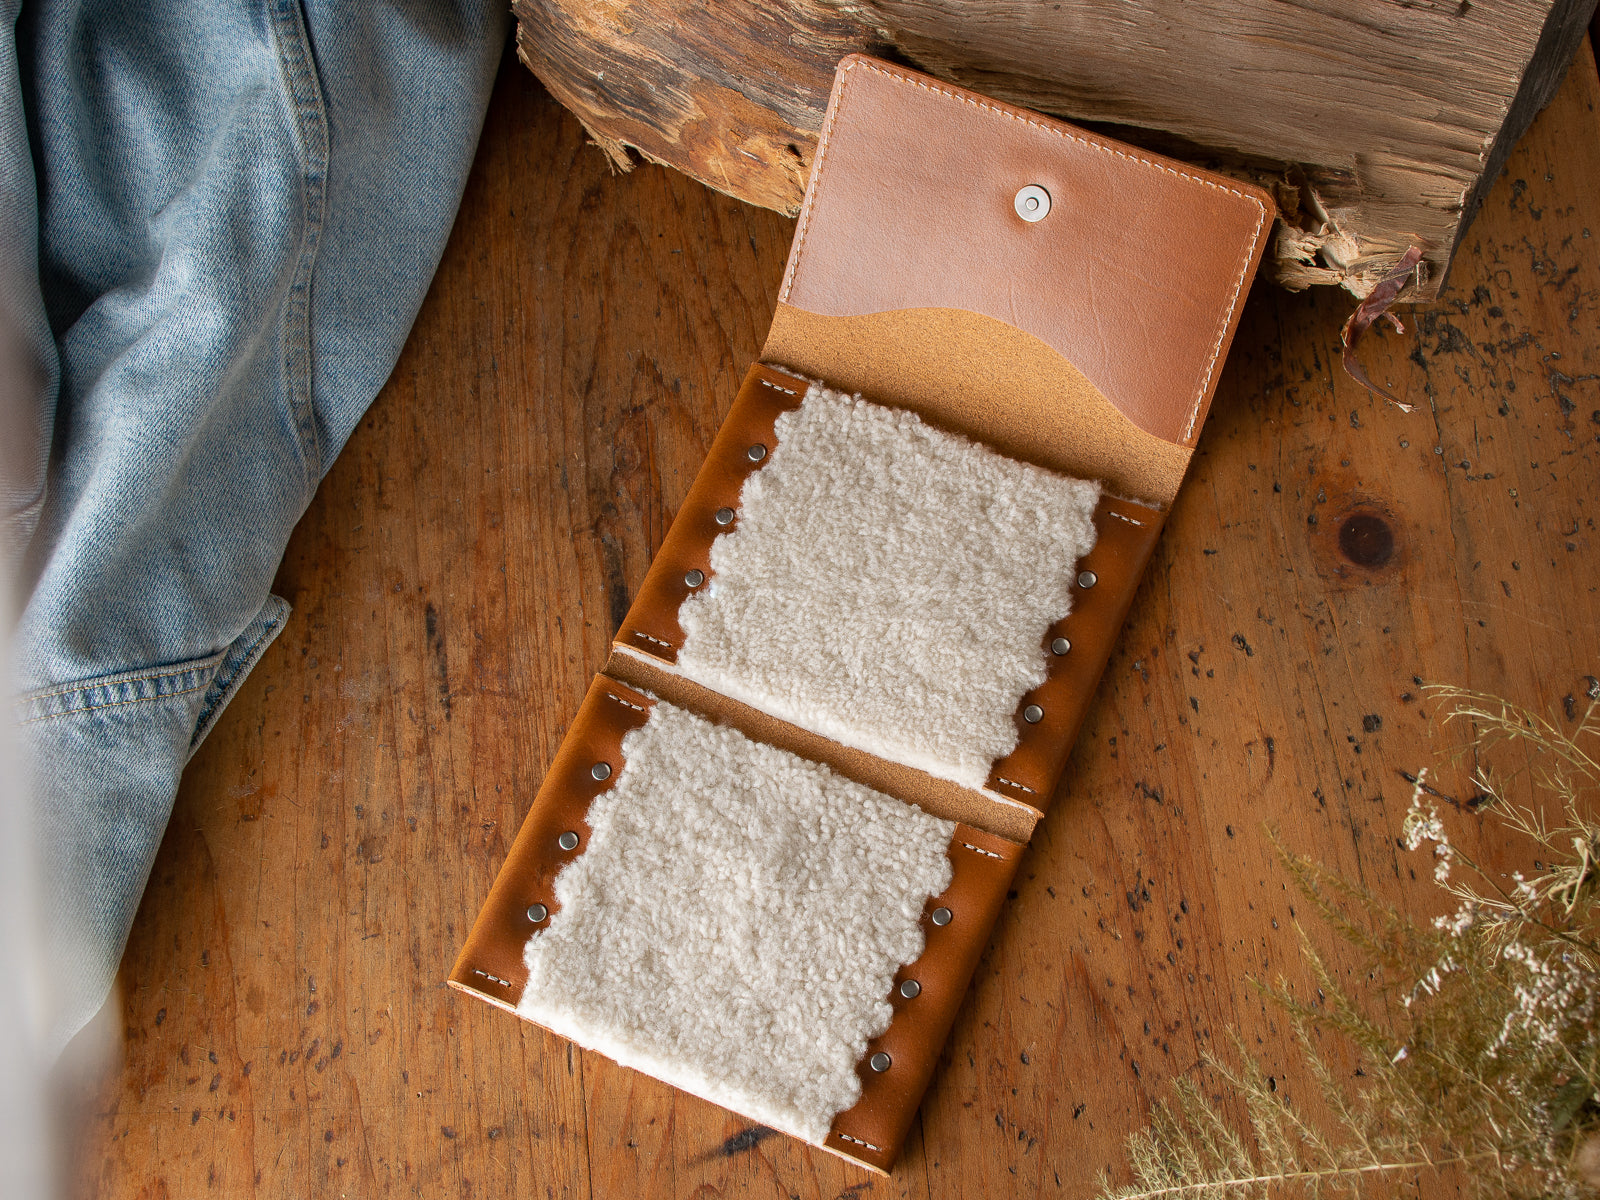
x: 771, y: 848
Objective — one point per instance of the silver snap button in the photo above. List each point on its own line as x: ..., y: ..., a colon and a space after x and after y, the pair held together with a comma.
x: 568, y: 840
x: 911, y: 989
x: 1033, y: 714
x: 537, y: 913
x: 941, y: 916
x: 880, y: 1062
x: 756, y: 453
x: 1060, y: 646
x: 1033, y: 203
x: 696, y: 578
x: 724, y: 516
x: 1087, y: 579
x: 601, y: 770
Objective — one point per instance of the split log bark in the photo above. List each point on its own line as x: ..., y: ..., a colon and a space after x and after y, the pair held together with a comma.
x: 1379, y: 124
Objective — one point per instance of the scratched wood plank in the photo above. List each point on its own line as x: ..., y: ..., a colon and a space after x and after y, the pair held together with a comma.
x: 285, y: 1030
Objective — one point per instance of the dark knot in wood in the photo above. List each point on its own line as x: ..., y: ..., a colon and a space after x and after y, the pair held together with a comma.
x: 1366, y: 540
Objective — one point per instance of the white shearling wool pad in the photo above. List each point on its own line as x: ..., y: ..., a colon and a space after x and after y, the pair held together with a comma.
x: 734, y: 924
x: 889, y: 585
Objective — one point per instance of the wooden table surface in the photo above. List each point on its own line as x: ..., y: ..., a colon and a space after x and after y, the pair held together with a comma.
x: 286, y: 1030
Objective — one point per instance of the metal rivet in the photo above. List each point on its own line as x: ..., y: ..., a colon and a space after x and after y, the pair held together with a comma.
x: 1033, y: 714
x: 911, y: 989
x: 941, y: 916
x: 601, y: 770
x: 756, y: 453
x: 724, y: 516
x: 1033, y: 203
x: 695, y: 578
x: 537, y: 913
x: 1060, y: 646
x: 1087, y: 579
x: 879, y: 1062
x: 568, y: 840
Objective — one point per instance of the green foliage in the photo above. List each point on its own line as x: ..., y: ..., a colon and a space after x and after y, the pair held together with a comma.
x: 1478, y: 1043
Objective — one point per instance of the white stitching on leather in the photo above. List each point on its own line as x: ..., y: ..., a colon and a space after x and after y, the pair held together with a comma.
x: 1015, y: 784
x: 1119, y: 516
x: 625, y: 704
x: 982, y: 851
x: 1013, y: 115
x: 857, y: 1141
x: 656, y: 640
x: 496, y: 978
x: 776, y: 388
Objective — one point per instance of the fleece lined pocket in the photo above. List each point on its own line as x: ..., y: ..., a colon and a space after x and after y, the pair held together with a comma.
x: 737, y: 921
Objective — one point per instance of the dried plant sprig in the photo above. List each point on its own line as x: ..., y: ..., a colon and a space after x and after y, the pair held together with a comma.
x: 1479, y: 1041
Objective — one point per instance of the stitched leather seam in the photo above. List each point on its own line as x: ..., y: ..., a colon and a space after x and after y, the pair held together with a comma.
x: 1015, y: 784
x: 1114, y: 513
x: 857, y: 1141
x: 496, y: 978
x: 648, y: 638
x: 982, y: 851
x: 625, y: 704
x: 1013, y: 115
x: 776, y: 388
x: 814, y: 189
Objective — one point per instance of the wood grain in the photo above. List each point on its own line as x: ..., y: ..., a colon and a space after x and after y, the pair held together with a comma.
x: 286, y: 1029
x: 1378, y: 124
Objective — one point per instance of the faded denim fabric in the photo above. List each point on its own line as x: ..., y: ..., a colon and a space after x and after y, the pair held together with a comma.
x: 218, y: 219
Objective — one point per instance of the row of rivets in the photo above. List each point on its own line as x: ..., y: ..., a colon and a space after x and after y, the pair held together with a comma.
x: 569, y: 841
x: 910, y: 989
x: 724, y: 516
x: 1033, y: 714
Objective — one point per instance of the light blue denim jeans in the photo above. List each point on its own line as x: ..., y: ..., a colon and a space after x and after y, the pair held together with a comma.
x: 218, y: 219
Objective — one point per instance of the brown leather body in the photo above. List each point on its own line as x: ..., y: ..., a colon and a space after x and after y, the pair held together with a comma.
x: 1088, y: 343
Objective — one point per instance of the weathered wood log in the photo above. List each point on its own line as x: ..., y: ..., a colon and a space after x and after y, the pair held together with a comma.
x: 1379, y: 124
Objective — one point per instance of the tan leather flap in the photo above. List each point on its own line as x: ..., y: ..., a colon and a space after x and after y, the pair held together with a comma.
x: 1134, y: 278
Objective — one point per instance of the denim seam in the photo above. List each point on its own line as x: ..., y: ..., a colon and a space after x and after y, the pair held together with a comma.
x: 89, y: 708
x: 311, y: 128
x: 68, y: 689
x: 246, y: 663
